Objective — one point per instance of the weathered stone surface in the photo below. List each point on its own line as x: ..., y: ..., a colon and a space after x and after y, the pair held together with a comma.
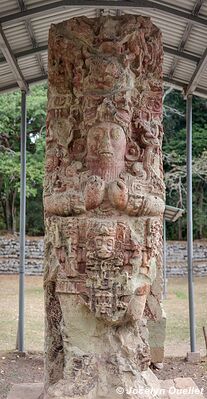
x: 157, y: 332
x: 104, y: 204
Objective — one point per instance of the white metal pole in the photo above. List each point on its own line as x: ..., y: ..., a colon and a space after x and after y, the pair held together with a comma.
x: 22, y: 223
x: 164, y: 260
x: 190, y: 223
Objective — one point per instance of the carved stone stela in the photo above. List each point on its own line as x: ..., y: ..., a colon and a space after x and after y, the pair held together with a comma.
x: 104, y: 203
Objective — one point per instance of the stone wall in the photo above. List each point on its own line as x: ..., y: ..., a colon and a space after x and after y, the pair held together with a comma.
x: 9, y: 255
x: 176, y: 256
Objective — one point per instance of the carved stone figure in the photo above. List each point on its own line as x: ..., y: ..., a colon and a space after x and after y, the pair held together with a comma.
x: 104, y: 203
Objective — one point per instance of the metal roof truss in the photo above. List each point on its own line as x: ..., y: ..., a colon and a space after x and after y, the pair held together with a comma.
x: 27, y: 13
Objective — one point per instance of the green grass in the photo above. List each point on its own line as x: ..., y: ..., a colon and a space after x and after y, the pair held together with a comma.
x: 34, y: 313
x: 180, y: 295
x: 177, y: 310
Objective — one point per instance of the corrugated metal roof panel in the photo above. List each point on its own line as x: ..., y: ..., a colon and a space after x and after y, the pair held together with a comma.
x: 44, y: 60
x: 184, y: 70
x: 187, y: 4
x: 8, y: 5
x: 29, y: 66
x: 4, y: 69
x: 203, y: 10
x: 35, y: 3
x: 33, y: 72
x: 6, y: 79
x: 168, y: 59
x: 27, y: 61
x: 197, y: 41
x: 42, y: 25
x: 17, y: 36
x: 203, y: 81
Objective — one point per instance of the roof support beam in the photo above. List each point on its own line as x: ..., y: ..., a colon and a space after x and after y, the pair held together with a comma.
x: 202, y: 65
x: 106, y: 4
x: 21, y: 5
x: 14, y: 86
x: 32, y: 36
x: 10, y: 58
x: 168, y: 82
x: 181, y: 54
x: 25, y: 53
x: 186, y: 35
x: 177, y: 84
x: 168, y: 50
x: 34, y: 44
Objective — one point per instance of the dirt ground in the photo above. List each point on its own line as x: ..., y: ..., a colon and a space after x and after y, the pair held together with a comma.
x: 178, y: 367
x: 16, y: 369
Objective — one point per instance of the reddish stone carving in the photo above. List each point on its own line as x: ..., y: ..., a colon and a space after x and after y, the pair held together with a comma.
x: 104, y: 201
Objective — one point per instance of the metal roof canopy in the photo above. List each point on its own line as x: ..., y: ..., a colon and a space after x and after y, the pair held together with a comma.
x: 25, y: 24
x: 172, y: 213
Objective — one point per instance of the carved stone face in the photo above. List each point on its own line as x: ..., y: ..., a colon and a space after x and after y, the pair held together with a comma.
x: 104, y: 246
x: 106, y: 140
x: 106, y: 147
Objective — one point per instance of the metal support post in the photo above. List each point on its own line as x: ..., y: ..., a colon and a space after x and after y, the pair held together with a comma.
x: 190, y: 223
x: 22, y: 224
x: 164, y: 261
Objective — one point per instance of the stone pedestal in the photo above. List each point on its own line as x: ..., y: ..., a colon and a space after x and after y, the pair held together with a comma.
x: 104, y: 199
x: 193, y: 357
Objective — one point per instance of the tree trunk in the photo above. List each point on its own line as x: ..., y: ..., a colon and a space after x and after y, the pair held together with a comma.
x: 9, y: 211
x: 13, y: 212
x: 4, y: 213
x: 180, y: 233
x: 200, y: 204
x: 180, y: 205
x: 8, y: 215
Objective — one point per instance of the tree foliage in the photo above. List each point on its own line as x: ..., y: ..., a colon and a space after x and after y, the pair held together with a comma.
x: 174, y: 149
x: 10, y: 120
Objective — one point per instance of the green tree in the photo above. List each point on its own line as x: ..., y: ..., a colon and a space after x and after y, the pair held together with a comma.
x: 10, y: 118
x: 174, y: 149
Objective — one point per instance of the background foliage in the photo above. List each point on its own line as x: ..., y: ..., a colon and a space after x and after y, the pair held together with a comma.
x: 10, y: 118
x: 174, y: 150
